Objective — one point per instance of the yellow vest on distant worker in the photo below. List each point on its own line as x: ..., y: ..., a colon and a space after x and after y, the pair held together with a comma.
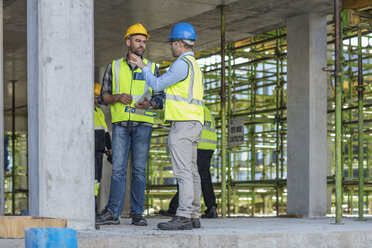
x: 99, y: 120
x: 209, y: 136
x: 184, y: 100
x: 130, y: 82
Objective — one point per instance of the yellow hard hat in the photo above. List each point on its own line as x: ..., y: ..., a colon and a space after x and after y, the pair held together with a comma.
x: 136, y: 29
x: 97, y: 89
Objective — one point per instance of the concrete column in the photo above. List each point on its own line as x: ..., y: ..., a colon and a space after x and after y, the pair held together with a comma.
x: 2, y: 195
x: 60, y: 67
x: 307, y: 115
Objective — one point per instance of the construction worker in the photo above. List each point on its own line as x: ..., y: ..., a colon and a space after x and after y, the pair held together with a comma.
x: 123, y: 84
x: 206, y: 147
x: 102, y: 140
x: 184, y: 109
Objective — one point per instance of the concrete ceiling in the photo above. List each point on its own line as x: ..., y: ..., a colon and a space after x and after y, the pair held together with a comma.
x: 244, y: 18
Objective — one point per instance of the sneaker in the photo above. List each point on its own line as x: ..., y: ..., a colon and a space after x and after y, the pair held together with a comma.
x: 177, y: 223
x: 195, y: 222
x: 166, y: 213
x: 138, y: 220
x: 106, y: 218
x: 210, y: 213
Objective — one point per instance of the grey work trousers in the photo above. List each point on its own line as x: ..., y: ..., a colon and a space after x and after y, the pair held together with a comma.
x: 183, y: 140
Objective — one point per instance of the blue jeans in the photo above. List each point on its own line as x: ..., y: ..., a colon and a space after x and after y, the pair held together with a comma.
x: 125, y: 139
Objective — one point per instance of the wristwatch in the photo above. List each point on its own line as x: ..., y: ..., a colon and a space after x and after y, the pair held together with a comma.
x: 151, y: 107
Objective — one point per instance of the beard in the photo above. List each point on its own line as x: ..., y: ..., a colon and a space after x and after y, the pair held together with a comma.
x: 137, y: 51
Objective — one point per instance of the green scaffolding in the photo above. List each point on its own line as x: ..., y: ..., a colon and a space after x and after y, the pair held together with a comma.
x: 256, y: 171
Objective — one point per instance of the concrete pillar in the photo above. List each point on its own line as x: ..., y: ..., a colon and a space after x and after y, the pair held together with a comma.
x: 307, y: 115
x: 2, y: 195
x: 60, y: 68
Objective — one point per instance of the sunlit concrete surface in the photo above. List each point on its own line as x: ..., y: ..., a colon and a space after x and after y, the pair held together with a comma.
x: 232, y: 232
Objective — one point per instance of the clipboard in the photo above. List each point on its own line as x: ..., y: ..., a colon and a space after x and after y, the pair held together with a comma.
x: 146, y: 94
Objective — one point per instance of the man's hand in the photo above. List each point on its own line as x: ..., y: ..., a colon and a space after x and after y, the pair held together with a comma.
x: 137, y: 60
x: 124, y: 98
x: 145, y: 104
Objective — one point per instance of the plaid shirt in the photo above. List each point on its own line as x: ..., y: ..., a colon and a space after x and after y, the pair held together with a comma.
x: 157, y: 97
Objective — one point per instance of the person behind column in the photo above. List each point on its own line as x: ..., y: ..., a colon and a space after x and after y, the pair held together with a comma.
x: 184, y: 109
x: 123, y: 84
x: 206, y: 147
x: 102, y: 140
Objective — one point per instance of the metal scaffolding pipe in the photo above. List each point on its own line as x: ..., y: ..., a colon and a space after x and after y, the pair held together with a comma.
x: 252, y: 134
x: 277, y: 117
x: 223, y: 114
x: 231, y: 150
x: 337, y: 8
x: 350, y: 141
x: 13, y: 148
x: 360, y: 90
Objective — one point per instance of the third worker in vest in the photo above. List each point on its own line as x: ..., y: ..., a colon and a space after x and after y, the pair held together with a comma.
x: 184, y: 109
x: 206, y: 147
x: 102, y: 140
x: 123, y: 84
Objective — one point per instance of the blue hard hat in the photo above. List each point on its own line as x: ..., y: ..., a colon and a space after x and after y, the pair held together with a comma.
x: 183, y: 31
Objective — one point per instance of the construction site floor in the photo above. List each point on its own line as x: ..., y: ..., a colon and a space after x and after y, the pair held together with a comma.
x: 229, y: 232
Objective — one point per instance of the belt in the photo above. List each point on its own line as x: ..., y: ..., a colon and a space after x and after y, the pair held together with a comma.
x: 132, y: 123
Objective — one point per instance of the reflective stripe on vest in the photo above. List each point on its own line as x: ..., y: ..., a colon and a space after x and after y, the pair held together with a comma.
x: 130, y: 82
x: 209, y: 136
x: 184, y: 100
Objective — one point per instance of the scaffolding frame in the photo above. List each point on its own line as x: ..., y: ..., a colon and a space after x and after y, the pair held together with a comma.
x: 255, y: 181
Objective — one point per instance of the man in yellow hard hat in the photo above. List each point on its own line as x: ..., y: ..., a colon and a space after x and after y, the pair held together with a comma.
x: 123, y: 84
x: 102, y: 139
x: 184, y: 109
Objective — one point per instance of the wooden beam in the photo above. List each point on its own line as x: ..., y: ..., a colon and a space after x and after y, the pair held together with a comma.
x: 356, y: 4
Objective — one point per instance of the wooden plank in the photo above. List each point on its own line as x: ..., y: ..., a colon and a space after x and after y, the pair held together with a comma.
x: 356, y: 4
x: 14, y: 226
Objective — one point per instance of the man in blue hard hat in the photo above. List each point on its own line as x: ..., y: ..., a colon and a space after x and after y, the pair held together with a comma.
x: 206, y: 147
x: 183, y: 83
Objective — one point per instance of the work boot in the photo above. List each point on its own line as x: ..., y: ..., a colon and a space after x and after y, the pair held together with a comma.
x: 138, y: 220
x: 177, y: 223
x: 210, y: 213
x: 166, y: 213
x: 106, y: 218
x: 195, y: 222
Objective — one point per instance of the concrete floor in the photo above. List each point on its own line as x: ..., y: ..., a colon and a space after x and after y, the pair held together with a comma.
x: 233, y: 232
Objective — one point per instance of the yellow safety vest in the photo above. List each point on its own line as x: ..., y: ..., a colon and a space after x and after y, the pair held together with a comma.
x: 209, y: 136
x: 124, y: 80
x: 96, y: 188
x: 99, y: 120
x: 184, y: 100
